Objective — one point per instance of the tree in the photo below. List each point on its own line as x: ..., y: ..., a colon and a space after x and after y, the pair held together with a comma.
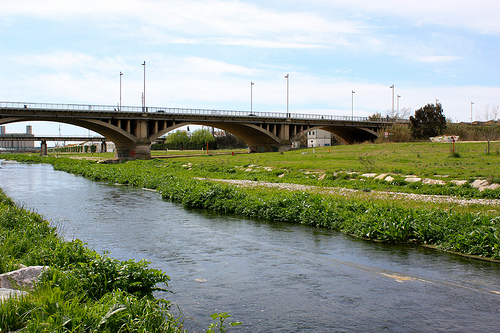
x: 177, y: 140
x: 200, y: 137
x: 492, y: 132
x: 375, y: 117
x: 428, y: 121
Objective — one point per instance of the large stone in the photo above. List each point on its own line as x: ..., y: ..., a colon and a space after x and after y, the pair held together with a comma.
x: 21, y: 278
x: 7, y: 293
x: 413, y: 179
x: 369, y: 175
x: 389, y: 179
x: 489, y: 187
x: 480, y: 183
x: 459, y: 182
x: 429, y: 181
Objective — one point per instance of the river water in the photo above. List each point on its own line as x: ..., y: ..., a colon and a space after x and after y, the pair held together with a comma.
x: 273, y: 277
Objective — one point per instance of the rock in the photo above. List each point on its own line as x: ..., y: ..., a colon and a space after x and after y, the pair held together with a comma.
x: 429, y: 181
x: 389, y: 179
x: 201, y: 280
x: 281, y: 176
x: 413, y: 179
x: 369, y: 175
x: 7, y: 293
x: 381, y: 176
x: 489, y: 187
x: 480, y: 183
x: 24, y: 277
x: 459, y: 182
x: 322, y: 176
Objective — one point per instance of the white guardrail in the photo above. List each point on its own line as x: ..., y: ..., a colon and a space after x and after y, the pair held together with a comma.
x: 183, y: 111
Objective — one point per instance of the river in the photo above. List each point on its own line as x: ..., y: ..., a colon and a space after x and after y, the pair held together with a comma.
x: 273, y: 277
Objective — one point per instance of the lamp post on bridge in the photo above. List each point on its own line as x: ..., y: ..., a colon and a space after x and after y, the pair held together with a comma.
x: 287, y: 94
x: 471, y: 104
x: 352, y: 103
x: 120, y: 108
x: 392, y: 109
x: 251, y: 97
x: 398, y: 97
x: 144, y: 91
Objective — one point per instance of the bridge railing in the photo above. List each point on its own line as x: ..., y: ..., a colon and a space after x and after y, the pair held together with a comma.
x: 196, y: 112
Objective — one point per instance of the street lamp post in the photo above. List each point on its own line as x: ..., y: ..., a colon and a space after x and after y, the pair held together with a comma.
x: 392, y: 109
x: 352, y: 102
x: 471, y: 103
x: 121, y: 74
x: 144, y: 91
x: 251, y: 97
x: 437, y: 101
x: 398, y: 97
x: 287, y: 95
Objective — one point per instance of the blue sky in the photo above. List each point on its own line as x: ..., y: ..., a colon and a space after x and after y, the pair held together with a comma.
x: 204, y: 54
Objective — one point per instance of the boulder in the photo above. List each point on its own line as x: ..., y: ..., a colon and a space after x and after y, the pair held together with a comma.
x: 369, y: 175
x: 413, y: 179
x: 480, y: 183
x: 21, y: 278
x: 459, y: 182
x: 489, y: 187
x: 429, y: 181
x: 7, y: 293
x: 381, y: 176
x: 389, y: 179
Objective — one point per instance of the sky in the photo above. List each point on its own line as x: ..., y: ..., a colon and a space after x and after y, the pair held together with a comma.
x: 206, y: 53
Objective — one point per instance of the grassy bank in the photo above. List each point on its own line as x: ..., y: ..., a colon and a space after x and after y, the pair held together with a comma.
x: 82, y: 291
x: 473, y: 229
x: 343, y: 166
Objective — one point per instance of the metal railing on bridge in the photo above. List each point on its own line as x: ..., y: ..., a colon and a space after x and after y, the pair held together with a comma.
x: 197, y: 112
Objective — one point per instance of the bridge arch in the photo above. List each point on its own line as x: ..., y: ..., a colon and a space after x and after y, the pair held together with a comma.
x: 347, y: 135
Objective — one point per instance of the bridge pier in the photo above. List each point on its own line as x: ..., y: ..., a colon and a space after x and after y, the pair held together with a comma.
x: 267, y: 148
x: 43, y: 148
x: 139, y: 151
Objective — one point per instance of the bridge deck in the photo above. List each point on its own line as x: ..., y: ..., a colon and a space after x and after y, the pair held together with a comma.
x: 108, y: 110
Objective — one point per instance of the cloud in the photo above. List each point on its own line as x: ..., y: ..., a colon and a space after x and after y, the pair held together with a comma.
x: 479, y: 16
x: 197, y: 22
x: 434, y: 59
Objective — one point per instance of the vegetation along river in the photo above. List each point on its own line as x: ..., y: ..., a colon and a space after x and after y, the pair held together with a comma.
x: 273, y: 277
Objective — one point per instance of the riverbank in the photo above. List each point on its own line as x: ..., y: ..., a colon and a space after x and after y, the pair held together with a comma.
x: 81, y: 290
x: 470, y: 230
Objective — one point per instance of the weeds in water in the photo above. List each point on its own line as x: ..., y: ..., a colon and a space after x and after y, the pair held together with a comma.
x: 220, y: 326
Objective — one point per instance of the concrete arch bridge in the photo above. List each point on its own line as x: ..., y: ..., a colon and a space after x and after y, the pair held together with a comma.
x: 134, y: 129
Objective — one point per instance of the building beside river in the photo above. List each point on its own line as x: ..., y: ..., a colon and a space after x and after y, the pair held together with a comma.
x: 17, y: 144
x: 319, y: 138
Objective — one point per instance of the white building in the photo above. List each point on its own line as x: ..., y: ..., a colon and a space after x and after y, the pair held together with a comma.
x: 319, y: 138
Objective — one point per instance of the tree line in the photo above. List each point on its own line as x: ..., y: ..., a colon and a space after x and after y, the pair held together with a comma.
x: 199, y: 139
